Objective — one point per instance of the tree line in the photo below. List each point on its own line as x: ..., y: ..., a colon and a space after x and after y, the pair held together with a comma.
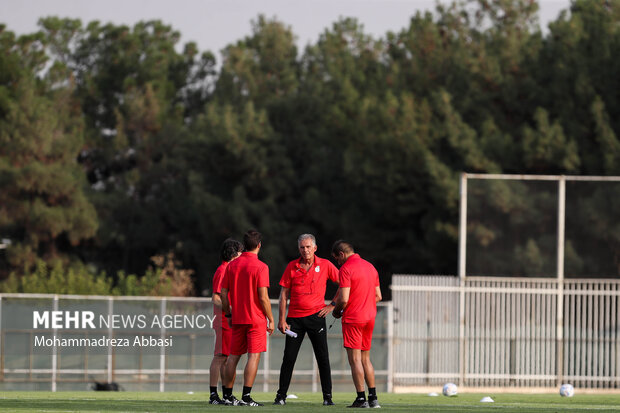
x: 123, y: 151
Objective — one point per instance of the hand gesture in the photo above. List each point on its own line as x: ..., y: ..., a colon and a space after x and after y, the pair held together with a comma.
x: 326, y: 310
x: 283, y: 325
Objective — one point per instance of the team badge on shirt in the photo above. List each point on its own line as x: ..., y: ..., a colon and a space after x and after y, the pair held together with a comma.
x: 317, y: 268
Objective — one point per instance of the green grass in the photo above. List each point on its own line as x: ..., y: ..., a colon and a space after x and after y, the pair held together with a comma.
x: 307, y: 402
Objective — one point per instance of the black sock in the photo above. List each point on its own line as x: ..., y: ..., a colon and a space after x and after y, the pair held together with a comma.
x: 372, y: 393
x: 246, y: 391
x: 361, y: 395
x: 226, y: 391
x: 213, y: 390
x: 327, y: 396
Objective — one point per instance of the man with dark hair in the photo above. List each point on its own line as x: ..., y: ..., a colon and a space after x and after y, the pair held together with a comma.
x: 357, y: 301
x: 304, y: 282
x: 230, y: 250
x: 245, y: 299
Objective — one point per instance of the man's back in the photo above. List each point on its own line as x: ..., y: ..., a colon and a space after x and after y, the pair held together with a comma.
x: 362, y: 277
x: 243, y: 278
x: 218, y: 277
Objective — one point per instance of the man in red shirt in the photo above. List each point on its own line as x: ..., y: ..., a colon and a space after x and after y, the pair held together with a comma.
x: 245, y: 299
x: 303, y: 283
x: 357, y: 305
x: 230, y: 250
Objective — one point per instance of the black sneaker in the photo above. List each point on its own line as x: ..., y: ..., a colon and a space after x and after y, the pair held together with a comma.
x: 360, y: 403
x: 233, y: 401
x: 279, y: 400
x: 248, y: 401
x: 374, y: 404
x: 215, y: 399
x: 328, y: 402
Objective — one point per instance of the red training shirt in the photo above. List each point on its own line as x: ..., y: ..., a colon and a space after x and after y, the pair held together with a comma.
x: 362, y: 277
x: 220, y: 319
x: 242, y: 279
x: 307, y: 294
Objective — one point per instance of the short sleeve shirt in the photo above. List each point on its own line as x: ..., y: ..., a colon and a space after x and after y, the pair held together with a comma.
x: 362, y: 278
x: 220, y: 319
x: 242, y: 278
x: 307, y: 288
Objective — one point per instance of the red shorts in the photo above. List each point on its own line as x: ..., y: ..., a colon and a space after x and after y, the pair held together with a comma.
x: 223, y: 338
x: 249, y: 338
x: 358, y: 335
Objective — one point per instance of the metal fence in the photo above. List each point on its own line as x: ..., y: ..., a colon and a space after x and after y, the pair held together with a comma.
x: 31, y: 359
x: 486, y: 332
x: 506, y: 332
x: 514, y: 327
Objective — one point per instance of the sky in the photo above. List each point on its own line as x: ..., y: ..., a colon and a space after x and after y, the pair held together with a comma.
x: 214, y: 24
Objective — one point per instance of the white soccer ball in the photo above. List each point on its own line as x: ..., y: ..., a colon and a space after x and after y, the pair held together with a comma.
x: 449, y: 389
x: 567, y: 390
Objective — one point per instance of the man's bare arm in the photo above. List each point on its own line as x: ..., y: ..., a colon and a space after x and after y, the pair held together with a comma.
x: 217, y: 300
x: 343, y: 300
x: 225, y: 302
x: 284, y: 297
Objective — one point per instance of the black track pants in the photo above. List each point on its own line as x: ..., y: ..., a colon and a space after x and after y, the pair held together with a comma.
x: 316, y: 328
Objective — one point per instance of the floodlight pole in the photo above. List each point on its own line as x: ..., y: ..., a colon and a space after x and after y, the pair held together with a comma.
x: 560, y: 279
x: 461, y: 272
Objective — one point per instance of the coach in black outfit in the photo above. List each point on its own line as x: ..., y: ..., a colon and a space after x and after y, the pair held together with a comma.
x: 303, y: 284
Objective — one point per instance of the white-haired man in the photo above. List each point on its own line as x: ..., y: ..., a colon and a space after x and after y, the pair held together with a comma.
x: 303, y: 284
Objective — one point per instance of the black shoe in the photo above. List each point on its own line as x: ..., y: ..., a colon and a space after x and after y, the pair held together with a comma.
x: 328, y: 402
x: 374, y: 404
x: 360, y: 403
x: 279, y: 400
x: 248, y: 401
x: 233, y: 401
x: 215, y: 399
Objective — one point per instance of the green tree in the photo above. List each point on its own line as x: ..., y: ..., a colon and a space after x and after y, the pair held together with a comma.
x: 356, y: 137
x: 135, y: 92
x: 43, y: 204
x: 579, y: 69
x: 261, y: 67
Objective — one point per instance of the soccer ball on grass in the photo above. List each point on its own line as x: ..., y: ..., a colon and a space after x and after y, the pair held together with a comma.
x: 567, y: 390
x: 449, y: 389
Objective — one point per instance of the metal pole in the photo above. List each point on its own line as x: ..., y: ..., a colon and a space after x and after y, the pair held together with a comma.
x: 462, y: 275
x: 266, y: 363
x: 390, y: 350
x: 110, y: 334
x: 463, y: 227
x: 561, y: 226
x: 560, y: 279
x: 54, y: 349
x: 162, y: 351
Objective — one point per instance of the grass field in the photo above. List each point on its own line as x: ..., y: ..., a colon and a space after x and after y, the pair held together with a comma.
x: 307, y: 402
